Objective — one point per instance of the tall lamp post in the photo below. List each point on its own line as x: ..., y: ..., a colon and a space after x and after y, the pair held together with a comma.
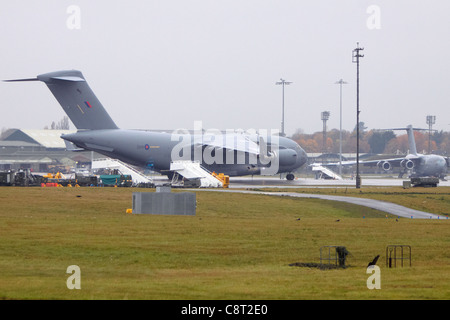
x: 355, y: 58
x: 283, y: 83
x: 430, y: 121
x: 324, y: 116
x: 340, y: 82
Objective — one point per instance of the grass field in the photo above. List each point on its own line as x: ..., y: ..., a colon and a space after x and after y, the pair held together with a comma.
x: 237, y: 246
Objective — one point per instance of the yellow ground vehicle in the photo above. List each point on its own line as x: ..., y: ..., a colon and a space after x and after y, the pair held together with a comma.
x: 225, y: 179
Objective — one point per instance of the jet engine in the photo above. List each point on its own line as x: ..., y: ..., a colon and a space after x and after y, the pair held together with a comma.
x: 385, y: 165
x: 408, y: 164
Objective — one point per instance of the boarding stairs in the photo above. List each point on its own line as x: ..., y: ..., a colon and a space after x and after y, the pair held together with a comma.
x: 192, y: 170
x: 322, y: 172
x: 124, y: 168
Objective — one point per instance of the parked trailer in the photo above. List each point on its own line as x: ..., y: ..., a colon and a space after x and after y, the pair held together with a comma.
x: 424, y: 182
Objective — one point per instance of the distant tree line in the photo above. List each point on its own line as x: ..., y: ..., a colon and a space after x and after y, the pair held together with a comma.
x: 373, y: 141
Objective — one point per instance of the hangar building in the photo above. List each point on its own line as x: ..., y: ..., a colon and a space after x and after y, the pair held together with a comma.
x: 40, y: 151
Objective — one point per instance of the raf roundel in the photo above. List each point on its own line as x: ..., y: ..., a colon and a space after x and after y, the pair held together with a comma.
x: 147, y: 147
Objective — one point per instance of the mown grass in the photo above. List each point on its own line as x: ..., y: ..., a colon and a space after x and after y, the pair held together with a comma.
x: 238, y: 246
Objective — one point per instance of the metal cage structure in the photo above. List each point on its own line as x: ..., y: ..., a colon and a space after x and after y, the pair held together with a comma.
x: 338, y: 258
x: 397, y: 252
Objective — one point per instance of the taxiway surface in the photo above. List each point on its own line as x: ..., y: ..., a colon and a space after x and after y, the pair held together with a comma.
x: 239, y: 183
x: 266, y: 182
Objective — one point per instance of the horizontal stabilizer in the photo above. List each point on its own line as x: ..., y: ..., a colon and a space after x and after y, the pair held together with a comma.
x: 405, y: 128
x: 20, y: 80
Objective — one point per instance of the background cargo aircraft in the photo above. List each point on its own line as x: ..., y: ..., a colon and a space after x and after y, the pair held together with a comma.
x: 420, y: 165
x: 231, y: 154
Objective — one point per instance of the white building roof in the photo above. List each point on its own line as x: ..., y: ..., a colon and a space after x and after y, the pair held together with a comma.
x: 48, y: 138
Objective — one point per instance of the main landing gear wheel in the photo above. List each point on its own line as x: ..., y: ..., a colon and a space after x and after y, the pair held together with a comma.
x: 290, y: 176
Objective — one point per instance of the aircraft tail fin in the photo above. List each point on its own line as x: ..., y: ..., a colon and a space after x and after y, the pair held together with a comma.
x: 77, y: 99
x: 411, y: 140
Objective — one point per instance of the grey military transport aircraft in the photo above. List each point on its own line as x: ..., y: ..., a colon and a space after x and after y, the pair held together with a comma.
x: 234, y: 154
x: 418, y: 165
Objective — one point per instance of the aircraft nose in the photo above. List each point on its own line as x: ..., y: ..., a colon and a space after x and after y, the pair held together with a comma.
x: 302, y: 157
x: 444, y: 164
x: 287, y: 157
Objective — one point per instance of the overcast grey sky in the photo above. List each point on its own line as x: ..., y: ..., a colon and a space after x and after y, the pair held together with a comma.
x: 165, y: 64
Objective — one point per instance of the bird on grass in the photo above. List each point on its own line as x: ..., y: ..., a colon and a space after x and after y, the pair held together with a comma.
x: 374, y: 261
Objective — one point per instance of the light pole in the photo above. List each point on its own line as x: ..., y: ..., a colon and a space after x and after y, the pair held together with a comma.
x: 340, y: 82
x: 430, y: 121
x: 355, y: 58
x: 324, y: 116
x: 283, y: 83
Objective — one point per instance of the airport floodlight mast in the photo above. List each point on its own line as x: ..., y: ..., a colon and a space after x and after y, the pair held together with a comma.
x: 325, y: 116
x: 355, y: 59
x: 282, y: 82
x: 340, y: 82
x: 430, y: 121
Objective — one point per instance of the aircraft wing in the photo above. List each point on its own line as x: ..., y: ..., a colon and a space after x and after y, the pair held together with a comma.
x: 395, y: 162
x: 237, y: 142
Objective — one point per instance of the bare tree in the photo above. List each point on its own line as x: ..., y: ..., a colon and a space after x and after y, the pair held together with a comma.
x: 62, y: 124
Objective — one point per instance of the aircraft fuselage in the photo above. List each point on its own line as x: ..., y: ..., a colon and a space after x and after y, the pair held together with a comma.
x: 431, y: 165
x: 155, y: 150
